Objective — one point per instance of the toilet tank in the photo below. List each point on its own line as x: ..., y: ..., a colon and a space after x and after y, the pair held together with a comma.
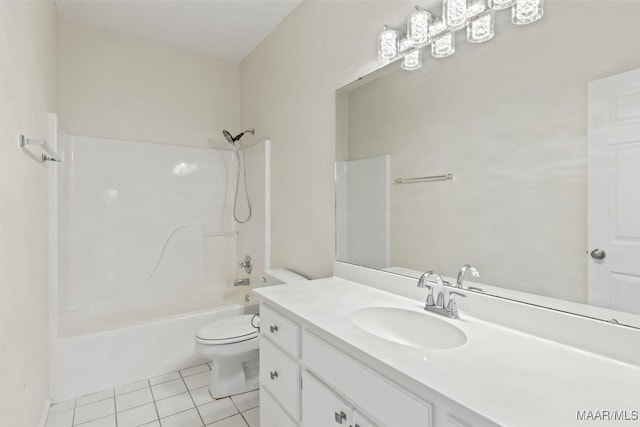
x: 278, y: 276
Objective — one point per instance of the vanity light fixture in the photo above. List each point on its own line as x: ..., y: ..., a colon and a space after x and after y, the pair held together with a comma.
x: 425, y: 28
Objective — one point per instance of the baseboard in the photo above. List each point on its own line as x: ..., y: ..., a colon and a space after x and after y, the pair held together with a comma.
x: 45, y: 413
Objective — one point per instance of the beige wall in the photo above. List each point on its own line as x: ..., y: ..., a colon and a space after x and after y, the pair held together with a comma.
x: 28, y: 90
x: 287, y: 90
x: 509, y: 120
x: 123, y: 87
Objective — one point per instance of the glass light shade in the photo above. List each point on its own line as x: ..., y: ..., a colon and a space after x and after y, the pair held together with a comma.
x: 405, y: 44
x: 481, y: 29
x: 527, y: 11
x: 443, y: 46
x: 455, y: 13
x: 418, y: 26
x: 412, y: 61
x: 476, y: 7
x: 388, y: 44
x: 501, y: 4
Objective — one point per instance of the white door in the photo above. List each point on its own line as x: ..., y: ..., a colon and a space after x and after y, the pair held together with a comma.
x: 614, y: 192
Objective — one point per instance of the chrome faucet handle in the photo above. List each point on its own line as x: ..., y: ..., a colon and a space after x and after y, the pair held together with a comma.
x: 452, y: 308
x: 440, y: 299
x: 429, y: 301
x: 422, y: 283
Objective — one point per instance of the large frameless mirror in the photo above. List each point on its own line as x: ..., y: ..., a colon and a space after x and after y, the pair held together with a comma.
x: 520, y: 156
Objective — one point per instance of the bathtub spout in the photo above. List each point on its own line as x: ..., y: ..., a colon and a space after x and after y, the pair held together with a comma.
x: 242, y: 282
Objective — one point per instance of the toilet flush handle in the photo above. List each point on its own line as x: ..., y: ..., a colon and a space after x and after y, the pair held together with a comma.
x: 273, y: 328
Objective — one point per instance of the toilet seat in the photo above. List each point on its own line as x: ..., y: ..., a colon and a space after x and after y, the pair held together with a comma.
x: 230, y: 330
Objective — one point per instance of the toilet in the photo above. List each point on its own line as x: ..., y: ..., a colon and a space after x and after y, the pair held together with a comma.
x: 232, y: 345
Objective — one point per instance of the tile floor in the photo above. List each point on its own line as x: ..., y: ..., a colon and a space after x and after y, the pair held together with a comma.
x: 178, y: 399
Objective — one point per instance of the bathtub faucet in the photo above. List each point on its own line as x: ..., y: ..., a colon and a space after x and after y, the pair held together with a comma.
x: 242, y: 282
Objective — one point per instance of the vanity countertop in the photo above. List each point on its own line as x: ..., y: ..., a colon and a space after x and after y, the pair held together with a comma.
x: 508, y: 377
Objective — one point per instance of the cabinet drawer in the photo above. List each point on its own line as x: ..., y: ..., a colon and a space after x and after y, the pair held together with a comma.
x: 368, y: 391
x: 282, y: 331
x: 271, y: 414
x: 281, y: 377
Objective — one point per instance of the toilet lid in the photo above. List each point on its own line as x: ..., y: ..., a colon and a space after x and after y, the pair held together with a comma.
x: 227, y: 331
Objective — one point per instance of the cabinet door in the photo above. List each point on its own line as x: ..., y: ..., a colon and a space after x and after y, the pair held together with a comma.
x: 360, y: 421
x: 320, y: 406
x: 281, y: 376
x: 271, y: 414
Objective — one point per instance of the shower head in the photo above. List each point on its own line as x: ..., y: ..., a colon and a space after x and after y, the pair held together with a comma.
x: 232, y: 139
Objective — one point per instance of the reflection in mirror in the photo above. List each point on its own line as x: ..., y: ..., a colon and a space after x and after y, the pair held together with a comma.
x: 540, y: 130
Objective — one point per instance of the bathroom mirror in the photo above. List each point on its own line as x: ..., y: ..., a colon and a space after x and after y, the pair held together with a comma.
x: 536, y: 194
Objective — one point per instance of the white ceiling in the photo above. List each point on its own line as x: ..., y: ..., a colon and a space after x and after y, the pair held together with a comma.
x: 226, y: 29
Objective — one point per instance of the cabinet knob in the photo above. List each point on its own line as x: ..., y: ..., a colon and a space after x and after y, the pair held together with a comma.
x: 273, y: 328
x: 273, y: 374
x: 340, y: 416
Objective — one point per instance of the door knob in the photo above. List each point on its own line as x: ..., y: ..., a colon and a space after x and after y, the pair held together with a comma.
x: 598, y: 254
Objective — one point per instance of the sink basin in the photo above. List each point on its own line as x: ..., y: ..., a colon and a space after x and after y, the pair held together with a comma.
x: 409, y: 328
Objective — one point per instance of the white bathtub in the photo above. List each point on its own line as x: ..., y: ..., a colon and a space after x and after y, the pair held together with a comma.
x: 94, y: 361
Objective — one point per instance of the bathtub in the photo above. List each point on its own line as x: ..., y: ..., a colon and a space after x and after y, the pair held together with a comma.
x: 97, y: 350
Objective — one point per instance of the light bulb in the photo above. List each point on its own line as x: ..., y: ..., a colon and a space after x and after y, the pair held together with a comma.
x: 388, y: 41
x: 481, y: 29
x: 527, y: 11
x: 412, y: 61
x: 455, y: 13
x: 418, y: 26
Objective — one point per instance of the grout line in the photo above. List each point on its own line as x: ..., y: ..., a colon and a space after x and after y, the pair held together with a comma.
x: 115, y: 407
x: 154, y: 402
x: 95, y: 401
x: 239, y: 411
x: 73, y: 418
x: 222, y: 419
x: 244, y: 419
x: 191, y: 397
x: 95, y: 419
x: 131, y: 391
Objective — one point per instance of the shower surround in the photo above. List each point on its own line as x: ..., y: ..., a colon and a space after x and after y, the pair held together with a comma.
x: 146, y: 252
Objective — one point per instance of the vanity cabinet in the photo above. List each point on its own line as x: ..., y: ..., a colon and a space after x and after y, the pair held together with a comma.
x: 307, y: 382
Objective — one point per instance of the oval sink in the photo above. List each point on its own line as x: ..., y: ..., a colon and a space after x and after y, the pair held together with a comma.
x: 409, y: 328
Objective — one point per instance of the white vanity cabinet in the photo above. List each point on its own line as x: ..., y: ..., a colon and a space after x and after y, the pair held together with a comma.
x: 307, y: 382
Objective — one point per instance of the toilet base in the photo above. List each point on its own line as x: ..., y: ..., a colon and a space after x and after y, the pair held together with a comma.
x: 235, y: 375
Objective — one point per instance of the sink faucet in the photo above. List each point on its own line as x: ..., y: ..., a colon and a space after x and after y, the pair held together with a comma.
x: 451, y: 309
x: 462, y: 272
